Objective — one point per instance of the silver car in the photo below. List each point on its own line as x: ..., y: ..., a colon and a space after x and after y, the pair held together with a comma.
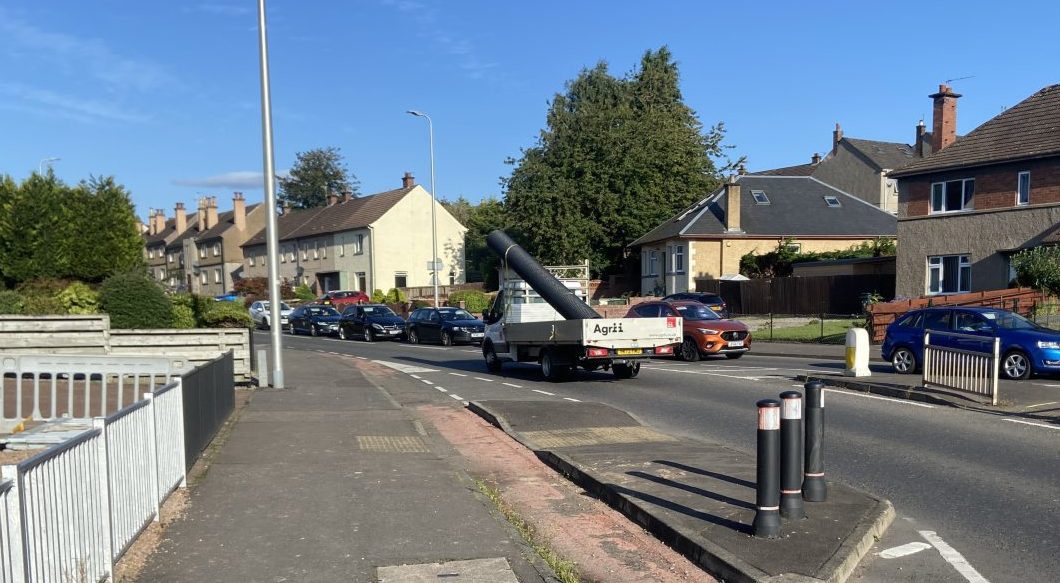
x: 259, y: 312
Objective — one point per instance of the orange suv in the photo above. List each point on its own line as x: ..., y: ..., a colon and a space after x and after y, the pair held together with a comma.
x: 706, y: 333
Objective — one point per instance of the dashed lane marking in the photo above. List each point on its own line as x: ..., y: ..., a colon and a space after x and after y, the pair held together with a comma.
x: 426, y: 382
x: 903, y: 550
x: 483, y: 379
x: 457, y: 397
x: 571, y: 399
x: 953, y: 557
x: 405, y: 368
x: 471, y: 351
x: 422, y: 347
x: 417, y: 377
x: 362, y: 357
x: 543, y: 392
x: 1042, y: 404
x: 712, y: 374
x: 457, y: 374
x: 899, y: 401
x: 512, y: 385
x: 441, y: 389
x: 1032, y: 423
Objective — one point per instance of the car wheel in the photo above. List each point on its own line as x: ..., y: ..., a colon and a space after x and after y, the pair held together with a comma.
x: 552, y: 372
x: 342, y: 333
x: 447, y: 339
x: 733, y: 355
x: 903, y: 360
x: 265, y: 323
x: 626, y: 371
x: 493, y: 364
x: 369, y: 336
x: 689, y: 350
x: 1016, y: 366
x: 313, y: 330
x: 414, y: 337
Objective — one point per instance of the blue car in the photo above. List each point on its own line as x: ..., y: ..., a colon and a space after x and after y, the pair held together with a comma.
x: 1026, y: 347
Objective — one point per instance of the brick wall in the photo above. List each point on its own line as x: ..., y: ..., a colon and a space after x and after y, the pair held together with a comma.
x: 995, y: 186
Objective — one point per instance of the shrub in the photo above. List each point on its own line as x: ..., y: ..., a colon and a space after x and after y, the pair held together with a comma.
x: 227, y: 315
x: 11, y: 302
x: 417, y: 304
x: 378, y: 297
x: 184, y: 317
x: 78, y: 298
x: 474, y: 300
x: 134, y: 300
x: 1038, y: 268
x: 304, y: 293
x: 42, y: 305
x: 395, y: 296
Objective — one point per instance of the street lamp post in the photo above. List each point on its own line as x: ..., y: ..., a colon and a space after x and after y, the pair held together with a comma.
x: 434, y: 203
x: 48, y: 161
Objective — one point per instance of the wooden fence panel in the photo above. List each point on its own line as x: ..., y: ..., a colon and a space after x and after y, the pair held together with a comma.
x: 834, y: 294
x: 55, y: 334
x: 197, y: 346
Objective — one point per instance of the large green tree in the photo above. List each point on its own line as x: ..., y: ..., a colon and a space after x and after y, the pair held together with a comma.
x: 480, y: 219
x: 618, y: 157
x: 315, y: 174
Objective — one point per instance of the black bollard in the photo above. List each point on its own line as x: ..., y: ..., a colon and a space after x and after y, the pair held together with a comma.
x: 791, y: 455
x: 767, y: 519
x: 814, y: 488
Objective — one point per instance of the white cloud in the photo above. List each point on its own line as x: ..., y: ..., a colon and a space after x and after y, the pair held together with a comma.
x: 238, y: 179
x: 427, y: 21
x: 46, y: 102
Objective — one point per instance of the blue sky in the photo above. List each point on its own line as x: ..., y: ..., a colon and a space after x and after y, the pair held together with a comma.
x: 165, y: 95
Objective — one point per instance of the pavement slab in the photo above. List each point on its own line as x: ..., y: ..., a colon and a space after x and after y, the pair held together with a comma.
x: 698, y: 497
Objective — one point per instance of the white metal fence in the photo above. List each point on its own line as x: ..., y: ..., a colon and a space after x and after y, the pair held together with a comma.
x: 966, y: 362
x: 71, y: 511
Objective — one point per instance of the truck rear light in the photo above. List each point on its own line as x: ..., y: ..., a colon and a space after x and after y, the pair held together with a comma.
x: 668, y: 349
x: 597, y: 352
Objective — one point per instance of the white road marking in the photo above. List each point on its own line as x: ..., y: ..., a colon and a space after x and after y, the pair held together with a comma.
x: 441, y: 389
x: 456, y: 374
x: 457, y: 397
x: 953, y: 557
x: 1042, y: 404
x: 1033, y: 423
x: 426, y: 382
x: 471, y: 351
x: 482, y: 379
x: 362, y: 357
x: 417, y: 377
x: 899, y: 401
x: 421, y: 346
x: 713, y: 374
x: 512, y: 385
x: 903, y: 550
x: 570, y: 399
x: 1045, y: 385
x: 405, y: 368
x: 543, y: 392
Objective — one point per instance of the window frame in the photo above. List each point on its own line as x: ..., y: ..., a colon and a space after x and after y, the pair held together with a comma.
x: 217, y: 249
x: 217, y: 276
x: 653, y: 263
x: 833, y: 202
x: 760, y: 197
x: 401, y: 274
x: 967, y: 198
x: 358, y: 244
x: 1023, y: 198
x: 937, y: 263
x: 677, y: 259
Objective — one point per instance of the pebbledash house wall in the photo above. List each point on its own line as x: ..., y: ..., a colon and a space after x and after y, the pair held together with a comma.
x: 994, y: 225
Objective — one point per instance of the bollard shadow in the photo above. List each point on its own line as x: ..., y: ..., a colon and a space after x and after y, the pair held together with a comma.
x: 692, y: 489
x: 682, y: 509
x: 708, y: 473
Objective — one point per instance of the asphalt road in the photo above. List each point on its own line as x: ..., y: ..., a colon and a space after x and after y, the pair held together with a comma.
x: 977, y: 495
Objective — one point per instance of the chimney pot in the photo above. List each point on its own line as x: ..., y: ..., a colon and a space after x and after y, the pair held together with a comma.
x: 407, y: 181
x: 333, y: 199
x: 816, y: 159
x: 944, y: 117
x: 837, y: 135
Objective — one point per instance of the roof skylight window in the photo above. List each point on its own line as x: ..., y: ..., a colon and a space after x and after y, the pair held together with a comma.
x: 760, y: 196
x: 832, y: 201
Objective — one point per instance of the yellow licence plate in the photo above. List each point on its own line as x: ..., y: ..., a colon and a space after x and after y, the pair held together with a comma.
x: 629, y: 352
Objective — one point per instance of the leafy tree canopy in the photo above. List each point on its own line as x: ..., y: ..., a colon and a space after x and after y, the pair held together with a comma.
x: 480, y: 219
x: 1039, y: 268
x: 315, y: 174
x: 777, y: 263
x: 618, y: 157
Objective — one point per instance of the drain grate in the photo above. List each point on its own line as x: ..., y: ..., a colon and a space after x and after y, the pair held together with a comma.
x: 595, y: 436
x: 391, y: 444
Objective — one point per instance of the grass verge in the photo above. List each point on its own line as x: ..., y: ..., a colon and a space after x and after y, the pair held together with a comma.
x: 564, y: 569
x: 834, y: 332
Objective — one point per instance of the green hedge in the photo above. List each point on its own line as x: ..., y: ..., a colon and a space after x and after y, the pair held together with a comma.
x: 475, y: 301
x: 11, y: 302
x: 227, y: 315
x: 135, y: 301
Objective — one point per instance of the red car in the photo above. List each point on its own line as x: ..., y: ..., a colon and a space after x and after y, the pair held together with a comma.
x: 341, y: 299
x: 706, y: 333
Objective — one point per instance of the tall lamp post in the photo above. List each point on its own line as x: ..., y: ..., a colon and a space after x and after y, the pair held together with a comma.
x: 48, y: 161
x: 434, y: 203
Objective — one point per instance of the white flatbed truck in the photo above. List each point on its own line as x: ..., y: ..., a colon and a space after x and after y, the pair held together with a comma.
x: 521, y: 327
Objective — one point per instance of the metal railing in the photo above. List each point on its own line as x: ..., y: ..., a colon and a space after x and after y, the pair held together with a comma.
x: 10, y: 530
x: 973, y: 371
x: 43, y: 387
x: 208, y: 399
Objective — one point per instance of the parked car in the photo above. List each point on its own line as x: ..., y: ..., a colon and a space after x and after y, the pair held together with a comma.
x: 370, y: 321
x: 314, y: 320
x: 446, y: 325
x: 712, y: 301
x: 259, y: 312
x: 340, y: 299
x: 227, y: 297
x: 1026, y: 347
x: 705, y: 332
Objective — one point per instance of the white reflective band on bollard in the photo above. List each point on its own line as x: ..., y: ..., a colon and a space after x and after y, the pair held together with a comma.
x: 857, y: 361
x: 768, y: 418
x: 791, y: 408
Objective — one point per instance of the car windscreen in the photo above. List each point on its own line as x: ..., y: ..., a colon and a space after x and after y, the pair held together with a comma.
x: 322, y: 311
x: 378, y: 311
x: 283, y: 306
x: 697, y: 313
x: 455, y: 315
x: 1010, y: 321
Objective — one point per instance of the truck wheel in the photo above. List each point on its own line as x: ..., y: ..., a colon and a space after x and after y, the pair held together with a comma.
x: 626, y: 371
x: 493, y: 364
x: 553, y: 372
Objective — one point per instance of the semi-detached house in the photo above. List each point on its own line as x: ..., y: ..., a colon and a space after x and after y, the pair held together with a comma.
x: 966, y: 209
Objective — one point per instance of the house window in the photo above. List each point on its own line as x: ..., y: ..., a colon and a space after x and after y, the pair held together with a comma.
x: 150, y: 253
x: 677, y: 258
x: 202, y: 252
x: 216, y: 249
x: 832, y: 201
x: 161, y: 275
x: 401, y: 279
x: 305, y: 251
x: 250, y: 260
x: 283, y: 256
x: 760, y: 196
x: 203, y: 278
x: 949, y: 274
x: 342, y: 247
x: 362, y: 281
x: 1023, y: 188
x: 358, y: 245
x: 324, y: 251
x: 217, y: 275
x: 793, y: 247
x: 169, y: 258
x: 952, y: 196
x: 653, y: 262
x: 316, y: 249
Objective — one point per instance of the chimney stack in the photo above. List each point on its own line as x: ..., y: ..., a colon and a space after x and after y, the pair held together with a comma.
x: 732, y: 206
x: 944, y: 117
x: 150, y: 221
x: 239, y: 211
x: 347, y: 196
x: 837, y: 135
x: 180, y: 218
x: 407, y: 181
x: 200, y: 216
x: 159, y: 221
x: 211, y: 212
x: 333, y: 199
x: 816, y: 159
x: 918, y: 144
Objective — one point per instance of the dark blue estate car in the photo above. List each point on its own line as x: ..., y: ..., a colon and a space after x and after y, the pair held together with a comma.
x: 1026, y: 348
x: 313, y: 320
x: 371, y: 322
x: 446, y: 325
